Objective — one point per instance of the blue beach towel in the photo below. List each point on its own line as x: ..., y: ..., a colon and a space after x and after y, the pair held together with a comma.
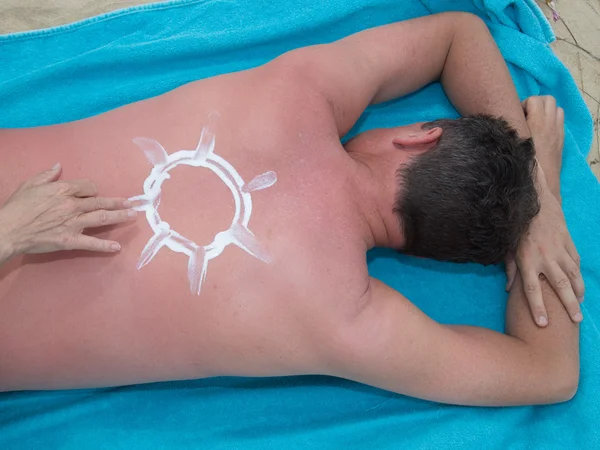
x: 89, y: 67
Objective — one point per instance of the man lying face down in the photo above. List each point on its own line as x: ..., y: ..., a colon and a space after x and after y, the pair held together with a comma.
x: 247, y: 256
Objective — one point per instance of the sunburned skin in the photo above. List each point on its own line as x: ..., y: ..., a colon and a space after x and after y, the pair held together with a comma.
x: 96, y: 320
x: 238, y: 233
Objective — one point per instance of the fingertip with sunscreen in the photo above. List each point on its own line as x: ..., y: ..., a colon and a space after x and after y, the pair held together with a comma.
x: 115, y: 246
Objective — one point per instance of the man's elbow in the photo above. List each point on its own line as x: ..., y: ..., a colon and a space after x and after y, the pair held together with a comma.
x: 567, y: 388
x: 563, y: 387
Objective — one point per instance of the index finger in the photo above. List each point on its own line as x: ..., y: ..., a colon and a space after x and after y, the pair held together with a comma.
x: 102, y: 218
x: 572, y: 271
x: 83, y: 188
x: 90, y: 204
x: 93, y: 244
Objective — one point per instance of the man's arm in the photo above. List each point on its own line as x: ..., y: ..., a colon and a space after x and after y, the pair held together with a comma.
x: 390, y: 61
x: 393, y: 345
x: 457, y: 49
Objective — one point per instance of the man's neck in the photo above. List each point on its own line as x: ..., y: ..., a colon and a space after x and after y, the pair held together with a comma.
x: 373, y: 197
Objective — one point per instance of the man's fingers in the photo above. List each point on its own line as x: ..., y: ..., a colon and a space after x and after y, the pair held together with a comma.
x: 562, y: 285
x: 533, y: 292
x: 572, y: 271
x: 93, y: 244
x: 90, y: 204
x: 82, y: 188
x: 103, y: 217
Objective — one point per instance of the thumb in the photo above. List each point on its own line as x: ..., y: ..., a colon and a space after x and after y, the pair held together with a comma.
x: 46, y: 177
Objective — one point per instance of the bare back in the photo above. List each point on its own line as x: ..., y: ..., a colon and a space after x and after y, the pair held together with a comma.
x: 79, y: 319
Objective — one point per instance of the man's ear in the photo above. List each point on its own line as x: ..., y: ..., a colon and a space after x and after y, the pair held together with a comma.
x: 417, y: 139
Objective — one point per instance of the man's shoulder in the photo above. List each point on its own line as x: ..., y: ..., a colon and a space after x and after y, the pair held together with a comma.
x: 297, y: 69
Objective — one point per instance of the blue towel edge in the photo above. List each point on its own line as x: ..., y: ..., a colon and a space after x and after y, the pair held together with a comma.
x: 169, y: 4
x: 68, y: 27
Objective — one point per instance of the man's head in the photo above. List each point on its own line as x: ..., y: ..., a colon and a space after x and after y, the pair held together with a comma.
x: 465, y: 189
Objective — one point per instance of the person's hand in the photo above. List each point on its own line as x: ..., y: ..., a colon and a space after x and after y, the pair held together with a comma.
x: 547, y: 248
x: 46, y: 215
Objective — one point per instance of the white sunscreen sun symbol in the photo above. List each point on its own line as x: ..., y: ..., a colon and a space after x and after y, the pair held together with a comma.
x: 203, y: 156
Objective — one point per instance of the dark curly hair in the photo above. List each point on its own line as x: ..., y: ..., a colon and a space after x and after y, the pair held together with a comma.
x: 472, y: 196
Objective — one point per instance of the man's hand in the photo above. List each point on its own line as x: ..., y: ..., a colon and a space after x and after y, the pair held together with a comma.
x: 46, y: 215
x: 547, y: 247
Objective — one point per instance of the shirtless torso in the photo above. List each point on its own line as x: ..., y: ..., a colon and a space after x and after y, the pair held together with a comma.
x: 96, y: 315
x: 79, y: 320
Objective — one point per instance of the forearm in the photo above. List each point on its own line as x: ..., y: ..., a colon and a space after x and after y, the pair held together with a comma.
x: 476, y: 79
x: 557, y: 344
x: 531, y: 365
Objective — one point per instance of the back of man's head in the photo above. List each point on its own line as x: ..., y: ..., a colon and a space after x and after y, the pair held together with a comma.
x: 472, y: 196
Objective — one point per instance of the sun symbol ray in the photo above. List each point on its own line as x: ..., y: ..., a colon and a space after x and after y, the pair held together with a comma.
x: 259, y: 182
x: 246, y: 240
x: 155, y: 152
x: 155, y: 243
x: 197, y: 265
x: 204, y: 156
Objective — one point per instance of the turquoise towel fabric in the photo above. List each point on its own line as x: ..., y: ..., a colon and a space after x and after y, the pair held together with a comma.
x: 521, y: 15
x: 89, y: 67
